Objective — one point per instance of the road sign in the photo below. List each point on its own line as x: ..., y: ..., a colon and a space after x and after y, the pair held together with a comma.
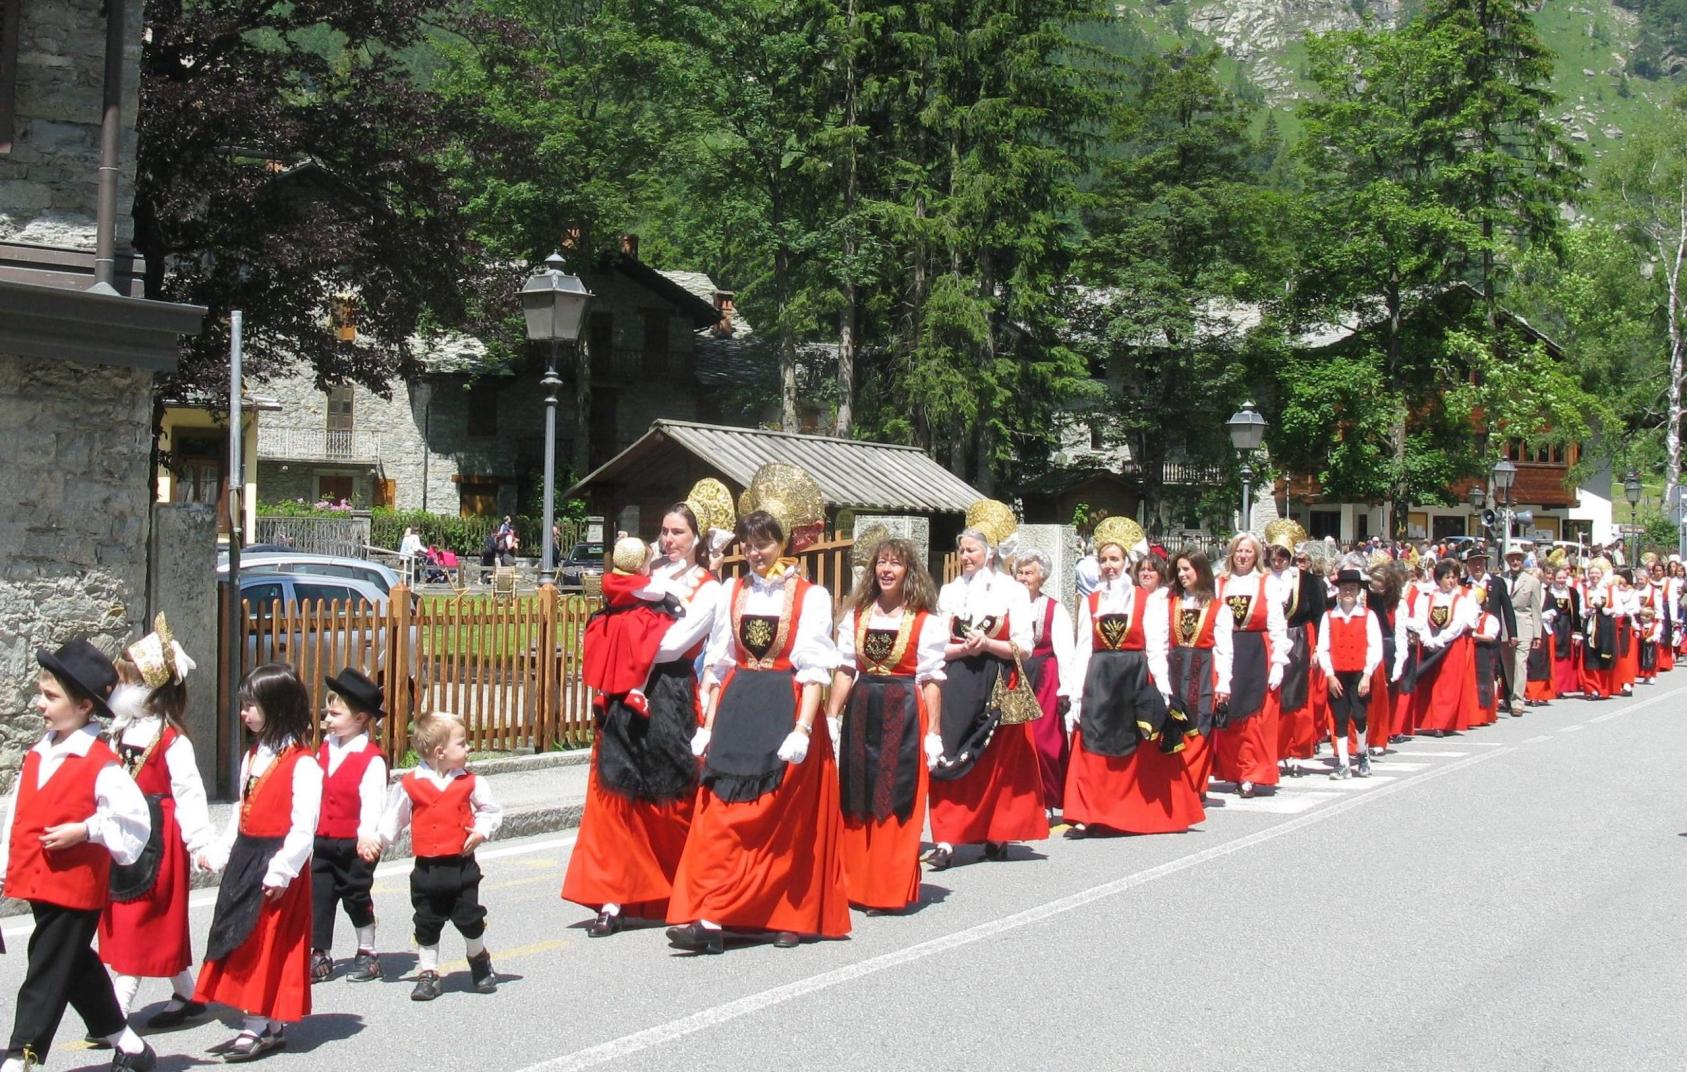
x: 1632, y: 530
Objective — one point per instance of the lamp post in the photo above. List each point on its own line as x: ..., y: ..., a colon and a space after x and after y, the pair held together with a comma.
x: 553, y: 303
x: 1505, y: 474
x: 1631, y: 492
x: 1247, y: 432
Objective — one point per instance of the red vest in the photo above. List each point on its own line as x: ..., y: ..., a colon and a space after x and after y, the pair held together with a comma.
x: 342, y: 804
x: 1251, y: 614
x: 1348, y: 641
x: 779, y: 656
x: 440, y: 819
x: 1133, y: 638
x: 266, y: 805
x: 78, y: 877
x: 907, y: 661
x: 1204, y: 621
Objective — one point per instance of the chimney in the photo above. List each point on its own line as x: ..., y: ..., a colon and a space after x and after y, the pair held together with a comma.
x: 629, y: 246
x: 723, y: 306
x: 571, y: 237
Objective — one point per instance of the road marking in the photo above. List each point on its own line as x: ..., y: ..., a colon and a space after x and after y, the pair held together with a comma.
x: 1354, y: 784
x: 1272, y: 805
x: 1575, y: 728
x: 1486, y: 744
x: 1542, y: 739
x: 513, y: 953
x: 1415, y: 752
x: 640, y: 1041
x: 1391, y: 765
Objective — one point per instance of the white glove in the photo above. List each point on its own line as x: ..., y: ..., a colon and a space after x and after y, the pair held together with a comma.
x: 1166, y: 696
x: 934, y: 749
x: 834, y: 725
x: 1275, y: 681
x: 700, y: 741
x: 794, y: 749
x: 1072, y: 718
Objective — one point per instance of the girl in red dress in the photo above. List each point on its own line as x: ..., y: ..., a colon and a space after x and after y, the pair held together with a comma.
x: 257, y: 957
x: 883, y: 698
x: 986, y: 783
x: 1198, y: 659
x: 1446, y: 687
x: 144, y: 935
x: 1245, y: 722
x: 643, y: 781
x: 765, y: 848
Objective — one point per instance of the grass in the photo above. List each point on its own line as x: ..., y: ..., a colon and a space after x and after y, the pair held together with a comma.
x: 499, y: 640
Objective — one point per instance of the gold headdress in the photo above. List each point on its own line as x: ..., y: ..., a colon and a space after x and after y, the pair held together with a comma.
x: 1284, y: 533
x: 1123, y: 532
x: 159, y: 657
x: 712, y: 503
x: 1602, y: 564
x: 867, y: 543
x: 1649, y: 559
x: 994, y: 519
x: 792, y: 497
x: 1558, y: 558
x: 1380, y: 559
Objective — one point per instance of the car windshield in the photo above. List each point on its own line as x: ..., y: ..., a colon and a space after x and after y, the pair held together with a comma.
x: 584, y: 551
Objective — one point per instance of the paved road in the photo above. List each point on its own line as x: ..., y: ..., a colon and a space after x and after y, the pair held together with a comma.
x: 1507, y: 899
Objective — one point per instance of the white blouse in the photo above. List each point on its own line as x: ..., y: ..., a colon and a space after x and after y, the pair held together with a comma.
x: 1224, y: 647
x: 193, y: 813
x: 121, y: 820
x: 699, y: 592
x: 813, y: 654
x: 989, y: 593
x: 1129, y: 600
x: 296, y: 846
x: 1462, y: 620
x: 1065, y: 644
x: 934, y: 636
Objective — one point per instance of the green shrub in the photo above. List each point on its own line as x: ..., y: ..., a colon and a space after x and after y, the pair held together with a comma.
x: 464, y: 535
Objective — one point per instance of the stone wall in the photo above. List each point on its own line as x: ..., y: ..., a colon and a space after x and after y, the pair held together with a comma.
x: 183, y: 584
x: 1060, y: 543
x: 49, y: 181
x: 73, y: 471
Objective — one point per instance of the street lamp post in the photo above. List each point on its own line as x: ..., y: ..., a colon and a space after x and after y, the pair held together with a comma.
x: 553, y: 303
x: 1505, y: 474
x: 1631, y: 492
x: 1247, y: 432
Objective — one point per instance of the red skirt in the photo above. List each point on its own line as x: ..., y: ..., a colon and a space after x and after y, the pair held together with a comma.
x: 881, y: 857
x: 1198, y: 763
x: 774, y: 863
x: 1666, y: 657
x: 627, y: 851
x: 1146, y: 792
x: 1049, y: 734
x: 269, y: 975
x: 1597, y: 682
x: 1627, y: 667
x: 1247, y: 752
x: 148, y: 937
x: 1566, y: 669
x: 1379, y: 713
x: 1542, y: 691
x: 999, y: 799
x: 1450, y: 692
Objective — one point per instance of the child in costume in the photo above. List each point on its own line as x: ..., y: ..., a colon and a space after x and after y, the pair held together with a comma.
x: 622, y: 638
x: 348, y: 830
x: 1349, y: 652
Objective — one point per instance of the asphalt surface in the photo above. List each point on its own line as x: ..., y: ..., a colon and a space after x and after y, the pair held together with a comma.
x: 1505, y: 899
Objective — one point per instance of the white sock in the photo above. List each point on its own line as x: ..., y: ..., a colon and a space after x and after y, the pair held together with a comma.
x: 257, y: 1025
x: 427, y: 958
x: 945, y: 846
x: 125, y: 987
x: 13, y: 1064
x: 126, y: 1040
x: 1341, y: 750
x: 181, y: 989
x: 611, y: 909
x: 366, y: 939
x: 706, y: 925
x: 474, y: 946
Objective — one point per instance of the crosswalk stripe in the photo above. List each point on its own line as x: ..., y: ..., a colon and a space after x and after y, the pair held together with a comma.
x: 1292, y: 804
x: 1414, y: 752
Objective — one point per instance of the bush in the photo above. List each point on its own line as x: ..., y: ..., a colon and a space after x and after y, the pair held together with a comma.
x: 464, y: 535
x: 300, y: 508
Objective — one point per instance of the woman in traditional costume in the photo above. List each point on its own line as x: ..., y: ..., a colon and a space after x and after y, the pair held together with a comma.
x: 884, y: 699
x: 1198, y: 659
x: 1599, y: 631
x: 1300, y: 586
x: 986, y: 782
x: 1561, y: 615
x: 765, y: 848
x: 1625, y: 607
x: 1245, y: 727
x: 1446, y: 687
x: 1384, y: 601
x: 1049, y: 666
x: 643, y: 781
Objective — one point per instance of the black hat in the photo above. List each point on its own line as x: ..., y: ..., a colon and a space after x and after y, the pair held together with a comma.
x: 1350, y: 576
x: 359, y: 692
x: 83, y: 668
x: 1476, y: 551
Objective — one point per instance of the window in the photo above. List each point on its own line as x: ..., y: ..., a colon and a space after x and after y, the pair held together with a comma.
x: 603, y: 441
x: 483, y: 408
x: 260, y: 597
x: 325, y: 592
x: 600, y: 342
x: 1098, y: 436
x: 656, y: 343
x: 336, y: 488
x: 477, y: 498
x: 9, y: 17
x: 340, y: 409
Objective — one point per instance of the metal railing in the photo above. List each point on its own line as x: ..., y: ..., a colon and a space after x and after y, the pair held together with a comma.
x: 318, y: 444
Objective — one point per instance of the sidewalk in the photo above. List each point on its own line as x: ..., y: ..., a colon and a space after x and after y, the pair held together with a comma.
x: 540, y: 794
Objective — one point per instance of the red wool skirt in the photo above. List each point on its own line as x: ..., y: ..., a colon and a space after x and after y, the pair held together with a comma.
x: 148, y: 937
x: 269, y: 975
x: 999, y: 799
x: 1448, y: 694
x: 1247, y: 751
x: 1627, y: 665
x: 1566, y: 669
x: 1198, y: 762
x: 627, y: 851
x: 774, y: 863
x: 1146, y: 792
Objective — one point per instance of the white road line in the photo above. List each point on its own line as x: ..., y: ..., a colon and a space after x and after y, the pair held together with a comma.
x: 1574, y: 728
x: 1486, y: 744
x: 1542, y: 739
x: 1414, y: 753
x: 1391, y: 765
x: 640, y: 1041
x: 1273, y: 805
x: 1323, y: 783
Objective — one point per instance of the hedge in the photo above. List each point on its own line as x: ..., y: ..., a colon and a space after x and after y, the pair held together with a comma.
x: 464, y: 535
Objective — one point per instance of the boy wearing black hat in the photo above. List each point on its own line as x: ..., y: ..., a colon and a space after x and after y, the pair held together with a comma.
x: 348, y: 841
x: 1349, y: 651
x: 73, y: 811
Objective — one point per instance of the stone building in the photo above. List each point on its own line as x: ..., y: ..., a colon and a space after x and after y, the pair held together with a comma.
x: 466, y: 436
x: 78, y: 348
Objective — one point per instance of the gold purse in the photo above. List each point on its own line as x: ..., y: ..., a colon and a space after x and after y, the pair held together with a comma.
x: 1015, y: 704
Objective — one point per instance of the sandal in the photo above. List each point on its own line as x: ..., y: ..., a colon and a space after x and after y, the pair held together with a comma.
x: 249, y: 1047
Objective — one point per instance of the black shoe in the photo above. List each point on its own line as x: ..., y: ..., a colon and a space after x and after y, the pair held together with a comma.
x: 321, y: 966
x: 604, y: 925
x: 1076, y: 832
x: 365, y: 969
x: 95, y: 1042
x: 188, y: 1009
x: 995, y: 850
x: 786, y: 940
x: 480, y: 970
x: 134, y: 1062
x: 698, y: 938
x: 940, y: 859
x: 427, y: 987
x: 1245, y: 790
x: 250, y: 1047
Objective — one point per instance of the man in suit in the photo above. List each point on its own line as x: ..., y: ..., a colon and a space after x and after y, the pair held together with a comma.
x: 1527, y: 599
x: 1495, y: 598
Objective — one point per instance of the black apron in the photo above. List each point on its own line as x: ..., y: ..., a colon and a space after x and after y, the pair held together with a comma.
x: 1121, y: 707
x: 240, y: 895
x: 756, y: 712
x: 879, y: 757
x: 649, y: 757
x: 968, y: 720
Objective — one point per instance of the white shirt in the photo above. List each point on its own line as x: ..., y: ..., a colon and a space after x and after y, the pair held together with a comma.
x: 410, y: 546
x: 989, y: 593
x: 1373, y: 637
x: 929, y: 645
x: 1065, y: 645
x: 1462, y: 619
x: 193, y: 814
x: 488, y: 815
x: 121, y: 821
x: 699, y: 593
x: 300, y: 839
x: 813, y: 655
x: 1149, y: 608
x: 1224, y: 647
x: 371, y: 788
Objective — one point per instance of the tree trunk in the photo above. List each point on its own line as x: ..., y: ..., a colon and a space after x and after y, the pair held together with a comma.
x: 846, y: 318
x: 583, y: 409
x: 1672, y: 261
x: 1399, y: 498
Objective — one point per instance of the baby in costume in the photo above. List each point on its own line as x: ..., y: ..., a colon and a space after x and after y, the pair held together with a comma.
x: 623, y: 637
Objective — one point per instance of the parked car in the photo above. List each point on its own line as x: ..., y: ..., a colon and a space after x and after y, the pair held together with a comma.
x: 357, y: 569
x: 584, y: 559
x: 315, y: 653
